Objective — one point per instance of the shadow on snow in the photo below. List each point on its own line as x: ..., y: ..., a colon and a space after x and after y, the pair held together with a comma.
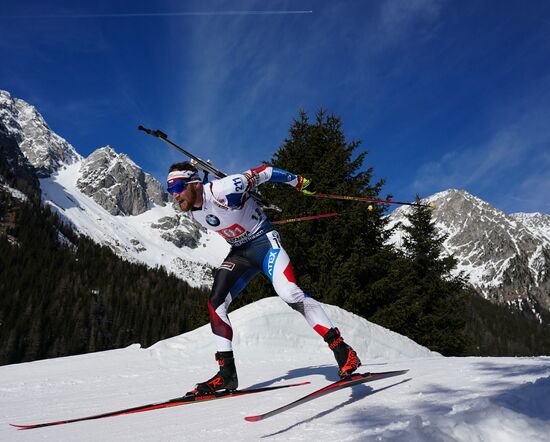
x: 358, y: 392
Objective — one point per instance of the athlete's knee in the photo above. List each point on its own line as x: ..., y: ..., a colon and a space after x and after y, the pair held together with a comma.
x: 290, y: 293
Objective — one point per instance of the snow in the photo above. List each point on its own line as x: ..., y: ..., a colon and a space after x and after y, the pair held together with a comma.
x: 14, y: 192
x: 440, y: 399
x: 133, y: 236
x: 537, y: 223
x: 496, y: 253
x: 42, y: 147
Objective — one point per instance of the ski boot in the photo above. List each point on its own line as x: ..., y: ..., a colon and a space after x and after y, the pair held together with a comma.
x: 346, y: 357
x: 225, y: 379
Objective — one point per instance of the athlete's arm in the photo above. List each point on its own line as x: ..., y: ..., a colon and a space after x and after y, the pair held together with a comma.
x: 233, y: 190
x: 264, y: 174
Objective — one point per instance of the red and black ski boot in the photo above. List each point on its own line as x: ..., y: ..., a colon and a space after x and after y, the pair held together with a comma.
x: 225, y: 379
x: 346, y: 357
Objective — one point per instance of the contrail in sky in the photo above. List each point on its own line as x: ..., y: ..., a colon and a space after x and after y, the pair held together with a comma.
x: 160, y: 14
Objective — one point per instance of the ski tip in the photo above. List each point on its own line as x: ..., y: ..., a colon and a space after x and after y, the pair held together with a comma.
x: 395, y: 372
x: 22, y: 427
x: 253, y: 418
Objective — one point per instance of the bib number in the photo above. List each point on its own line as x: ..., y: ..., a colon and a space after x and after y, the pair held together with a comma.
x: 232, y: 232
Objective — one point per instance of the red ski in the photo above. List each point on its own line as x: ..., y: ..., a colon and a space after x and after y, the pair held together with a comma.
x: 354, y: 379
x: 184, y: 400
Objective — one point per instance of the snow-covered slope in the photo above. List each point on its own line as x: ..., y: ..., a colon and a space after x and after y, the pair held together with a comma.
x: 537, y: 223
x: 151, y: 237
x: 14, y: 192
x: 109, y: 198
x: 440, y: 399
x: 506, y: 257
x: 271, y: 323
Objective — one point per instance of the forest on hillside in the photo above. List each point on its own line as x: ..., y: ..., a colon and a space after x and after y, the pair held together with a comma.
x: 62, y: 294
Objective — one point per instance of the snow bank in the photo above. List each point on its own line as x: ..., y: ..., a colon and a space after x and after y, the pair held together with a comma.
x: 440, y: 399
x: 270, y: 323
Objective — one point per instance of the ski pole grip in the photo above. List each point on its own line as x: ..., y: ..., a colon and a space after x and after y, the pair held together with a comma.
x: 155, y: 133
x: 161, y: 134
x: 144, y: 129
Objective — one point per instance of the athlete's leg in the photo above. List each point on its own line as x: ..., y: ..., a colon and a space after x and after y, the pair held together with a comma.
x: 278, y: 268
x: 230, y: 279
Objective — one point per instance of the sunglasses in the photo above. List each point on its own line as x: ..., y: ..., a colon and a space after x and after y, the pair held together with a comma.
x: 177, y: 186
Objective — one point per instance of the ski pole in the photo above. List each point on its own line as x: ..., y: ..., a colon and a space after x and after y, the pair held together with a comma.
x: 372, y: 200
x: 203, y: 165
x: 305, y: 218
x: 322, y: 215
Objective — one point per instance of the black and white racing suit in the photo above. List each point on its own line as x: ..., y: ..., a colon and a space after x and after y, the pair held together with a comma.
x: 229, y: 210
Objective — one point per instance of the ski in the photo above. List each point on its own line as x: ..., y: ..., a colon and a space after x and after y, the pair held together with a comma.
x: 187, y: 399
x: 354, y: 379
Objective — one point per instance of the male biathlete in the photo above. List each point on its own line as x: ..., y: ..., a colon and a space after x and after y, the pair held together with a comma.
x: 225, y: 205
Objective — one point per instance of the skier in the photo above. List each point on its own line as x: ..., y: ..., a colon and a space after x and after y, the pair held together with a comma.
x: 226, y: 206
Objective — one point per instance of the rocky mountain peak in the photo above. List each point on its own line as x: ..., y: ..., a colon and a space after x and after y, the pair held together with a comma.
x: 116, y: 183
x: 44, y: 149
x: 537, y: 223
x: 506, y: 257
x: 15, y: 169
x: 81, y: 190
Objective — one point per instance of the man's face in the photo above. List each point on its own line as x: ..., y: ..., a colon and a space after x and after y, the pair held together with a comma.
x: 187, y: 197
x: 186, y: 188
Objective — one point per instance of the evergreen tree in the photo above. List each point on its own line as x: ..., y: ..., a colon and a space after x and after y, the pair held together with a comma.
x: 430, y: 304
x: 497, y: 330
x: 58, y: 300
x: 334, y: 258
x: 423, y: 245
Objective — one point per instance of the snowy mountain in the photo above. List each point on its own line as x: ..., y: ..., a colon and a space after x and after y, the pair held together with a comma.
x: 443, y: 399
x: 111, y: 199
x: 14, y: 166
x: 160, y: 236
x: 44, y: 149
x: 117, y: 184
x: 506, y: 257
x: 107, y: 197
x: 537, y: 223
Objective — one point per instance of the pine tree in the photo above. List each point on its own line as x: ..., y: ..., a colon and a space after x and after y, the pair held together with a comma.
x: 57, y: 300
x: 430, y: 305
x: 423, y: 245
x: 334, y: 258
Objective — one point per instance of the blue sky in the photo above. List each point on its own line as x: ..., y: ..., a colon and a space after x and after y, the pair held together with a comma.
x: 442, y: 93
